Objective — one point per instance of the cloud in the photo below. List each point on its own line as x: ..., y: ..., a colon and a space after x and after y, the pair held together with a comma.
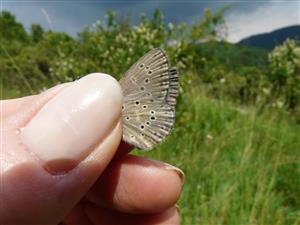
x: 265, y: 18
x: 244, y: 19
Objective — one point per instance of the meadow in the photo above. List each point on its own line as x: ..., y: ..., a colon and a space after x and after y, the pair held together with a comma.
x: 241, y: 165
x: 237, y: 130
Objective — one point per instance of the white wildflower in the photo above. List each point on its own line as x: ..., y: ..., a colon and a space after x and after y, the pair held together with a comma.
x: 222, y: 80
x: 279, y: 104
x: 209, y: 137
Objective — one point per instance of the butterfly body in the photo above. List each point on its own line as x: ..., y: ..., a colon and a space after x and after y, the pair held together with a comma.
x: 150, y: 88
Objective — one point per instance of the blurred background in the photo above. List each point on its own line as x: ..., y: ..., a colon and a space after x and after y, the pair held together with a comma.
x: 237, y: 131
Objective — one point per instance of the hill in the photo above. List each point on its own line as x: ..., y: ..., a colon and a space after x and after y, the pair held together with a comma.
x: 233, y: 57
x: 270, y: 40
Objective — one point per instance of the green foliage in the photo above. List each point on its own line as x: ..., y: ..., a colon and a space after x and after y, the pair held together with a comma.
x: 242, y: 166
x: 37, y: 32
x: 285, y: 74
x: 211, y: 27
x: 119, y: 43
x: 11, y: 29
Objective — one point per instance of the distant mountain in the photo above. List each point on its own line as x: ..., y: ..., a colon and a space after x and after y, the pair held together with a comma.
x: 270, y: 40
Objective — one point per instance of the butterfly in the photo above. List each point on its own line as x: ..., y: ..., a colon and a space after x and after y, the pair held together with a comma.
x: 150, y: 88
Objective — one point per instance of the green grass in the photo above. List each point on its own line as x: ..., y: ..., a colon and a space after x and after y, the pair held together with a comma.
x: 241, y: 167
x: 9, y: 93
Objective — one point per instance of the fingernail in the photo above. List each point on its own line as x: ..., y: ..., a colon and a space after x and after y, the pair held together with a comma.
x: 177, y: 209
x: 179, y: 172
x: 167, y: 166
x: 65, y: 130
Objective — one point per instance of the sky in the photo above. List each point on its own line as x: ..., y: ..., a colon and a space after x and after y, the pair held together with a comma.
x: 243, y: 19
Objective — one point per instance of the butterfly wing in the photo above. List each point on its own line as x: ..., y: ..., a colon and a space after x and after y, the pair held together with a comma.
x: 150, y: 89
x: 173, y: 89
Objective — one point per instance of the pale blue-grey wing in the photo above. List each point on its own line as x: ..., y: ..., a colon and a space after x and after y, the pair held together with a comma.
x: 150, y: 89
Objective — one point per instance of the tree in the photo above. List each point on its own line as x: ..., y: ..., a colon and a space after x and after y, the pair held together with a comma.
x: 37, y: 32
x: 211, y: 27
x: 11, y: 29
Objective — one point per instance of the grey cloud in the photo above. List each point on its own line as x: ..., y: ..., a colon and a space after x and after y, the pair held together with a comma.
x: 72, y: 16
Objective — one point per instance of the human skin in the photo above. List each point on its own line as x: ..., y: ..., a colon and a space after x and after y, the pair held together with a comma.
x: 61, y: 163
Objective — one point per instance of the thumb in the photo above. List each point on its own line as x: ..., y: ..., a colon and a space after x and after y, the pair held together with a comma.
x: 61, y: 150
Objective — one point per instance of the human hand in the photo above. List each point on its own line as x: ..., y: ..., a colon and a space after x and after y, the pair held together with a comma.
x: 62, y: 161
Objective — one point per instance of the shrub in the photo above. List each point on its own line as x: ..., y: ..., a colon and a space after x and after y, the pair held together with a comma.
x: 284, y: 64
